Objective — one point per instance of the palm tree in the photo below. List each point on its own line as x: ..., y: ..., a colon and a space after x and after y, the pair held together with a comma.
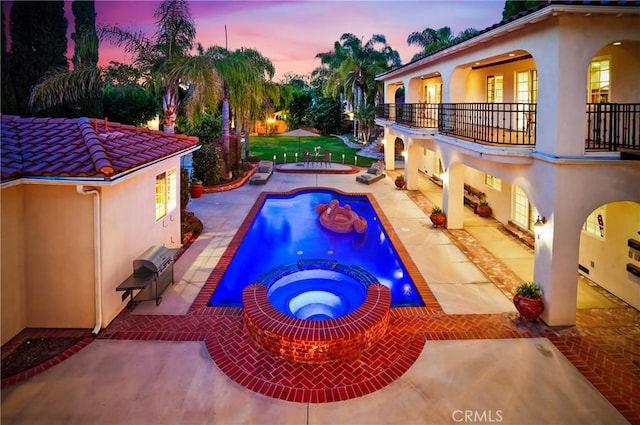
x: 166, y: 64
x: 230, y: 68
x: 163, y: 62
x: 431, y: 40
x: 352, y: 70
x: 257, y: 94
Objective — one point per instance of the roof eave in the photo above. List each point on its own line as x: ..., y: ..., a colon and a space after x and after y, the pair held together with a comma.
x: 91, y: 181
x: 500, y: 30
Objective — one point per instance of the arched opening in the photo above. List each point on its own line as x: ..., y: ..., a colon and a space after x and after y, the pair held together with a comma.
x: 609, y: 256
x: 398, y: 148
x: 612, y: 117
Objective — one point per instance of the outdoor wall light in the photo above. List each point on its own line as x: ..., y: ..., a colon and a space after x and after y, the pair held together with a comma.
x: 538, y: 226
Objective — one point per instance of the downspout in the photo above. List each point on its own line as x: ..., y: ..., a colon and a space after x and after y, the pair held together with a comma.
x: 97, y: 253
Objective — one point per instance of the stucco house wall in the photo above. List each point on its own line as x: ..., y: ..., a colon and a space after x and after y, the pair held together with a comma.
x: 58, y: 257
x: 13, y: 291
x: 129, y: 227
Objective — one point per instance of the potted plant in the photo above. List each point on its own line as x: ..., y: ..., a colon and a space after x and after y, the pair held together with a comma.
x: 483, y: 209
x: 196, y: 188
x: 400, y: 182
x: 437, y: 217
x: 528, y: 300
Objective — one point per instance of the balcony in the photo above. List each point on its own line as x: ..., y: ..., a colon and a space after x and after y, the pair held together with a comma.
x: 609, y: 126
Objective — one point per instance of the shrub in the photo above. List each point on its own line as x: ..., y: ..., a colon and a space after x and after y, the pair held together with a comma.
x: 184, y: 188
x: 529, y: 290
x: 238, y: 170
x: 207, y: 164
x: 436, y: 210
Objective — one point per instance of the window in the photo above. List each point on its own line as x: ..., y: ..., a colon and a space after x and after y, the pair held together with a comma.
x: 494, y: 89
x: 166, y: 193
x: 493, y: 182
x: 526, y: 92
x: 433, y: 93
x: 523, y: 213
x: 594, y: 224
x: 527, y: 86
x: 599, y: 81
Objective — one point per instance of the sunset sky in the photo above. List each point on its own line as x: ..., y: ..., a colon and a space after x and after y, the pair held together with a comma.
x: 291, y: 33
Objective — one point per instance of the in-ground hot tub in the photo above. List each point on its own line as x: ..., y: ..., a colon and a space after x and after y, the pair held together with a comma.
x: 316, y: 311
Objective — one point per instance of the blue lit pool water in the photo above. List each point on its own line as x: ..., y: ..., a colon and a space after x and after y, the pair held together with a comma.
x: 287, y: 229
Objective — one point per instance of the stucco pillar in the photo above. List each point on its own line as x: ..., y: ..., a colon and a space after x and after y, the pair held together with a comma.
x: 562, y: 73
x: 453, y: 195
x: 411, y: 163
x: 389, y: 150
x: 555, y: 268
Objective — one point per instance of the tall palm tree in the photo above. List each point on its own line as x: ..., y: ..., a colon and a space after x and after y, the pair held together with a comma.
x: 162, y: 61
x: 165, y: 61
x: 230, y: 68
x: 256, y: 94
x: 352, y: 70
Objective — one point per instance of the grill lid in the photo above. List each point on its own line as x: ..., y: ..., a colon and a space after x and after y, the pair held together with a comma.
x: 154, y: 259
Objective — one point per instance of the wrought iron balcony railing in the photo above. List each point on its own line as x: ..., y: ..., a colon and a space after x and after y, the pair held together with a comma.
x: 609, y: 126
x: 499, y: 123
x: 613, y: 126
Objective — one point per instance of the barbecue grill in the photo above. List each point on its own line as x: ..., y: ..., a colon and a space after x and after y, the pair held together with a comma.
x: 152, y: 274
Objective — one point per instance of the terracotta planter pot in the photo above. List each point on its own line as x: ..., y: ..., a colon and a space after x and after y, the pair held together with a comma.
x: 483, y: 210
x: 400, y: 184
x: 529, y: 308
x: 196, y: 190
x: 438, y: 219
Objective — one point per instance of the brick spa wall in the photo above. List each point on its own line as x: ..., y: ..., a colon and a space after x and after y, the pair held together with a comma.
x: 316, y: 341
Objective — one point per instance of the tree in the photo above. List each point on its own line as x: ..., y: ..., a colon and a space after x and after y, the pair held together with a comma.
x: 352, y: 68
x: 85, y: 52
x: 327, y: 115
x: 431, y: 40
x: 165, y: 63
x: 82, y: 86
x: 255, y: 95
x: 8, y: 97
x: 513, y: 7
x: 130, y: 104
x: 37, y: 45
x: 299, y: 109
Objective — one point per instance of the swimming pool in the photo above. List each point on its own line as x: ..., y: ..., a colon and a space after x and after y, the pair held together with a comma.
x: 286, y: 229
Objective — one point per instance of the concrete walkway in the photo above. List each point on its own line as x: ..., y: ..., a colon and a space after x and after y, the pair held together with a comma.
x: 510, y: 381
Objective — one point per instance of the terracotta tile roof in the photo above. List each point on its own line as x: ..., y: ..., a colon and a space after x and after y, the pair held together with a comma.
x: 80, y: 147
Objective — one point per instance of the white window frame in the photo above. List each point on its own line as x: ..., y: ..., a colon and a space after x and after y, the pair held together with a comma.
x: 495, y: 88
x: 493, y: 182
x: 166, y: 186
x: 523, y: 213
x: 599, y: 89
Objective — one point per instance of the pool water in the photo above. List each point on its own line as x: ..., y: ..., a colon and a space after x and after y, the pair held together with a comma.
x: 286, y: 229
x: 316, y: 294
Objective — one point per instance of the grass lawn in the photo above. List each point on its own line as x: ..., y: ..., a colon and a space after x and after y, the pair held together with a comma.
x: 267, y: 146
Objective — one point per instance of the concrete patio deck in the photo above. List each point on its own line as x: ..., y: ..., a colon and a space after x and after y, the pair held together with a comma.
x: 479, y: 362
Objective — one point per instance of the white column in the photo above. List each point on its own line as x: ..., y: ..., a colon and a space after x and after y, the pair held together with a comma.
x: 411, y: 162
x: 453, y: 195
x: 389, y: 158
x: 555, y: 268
